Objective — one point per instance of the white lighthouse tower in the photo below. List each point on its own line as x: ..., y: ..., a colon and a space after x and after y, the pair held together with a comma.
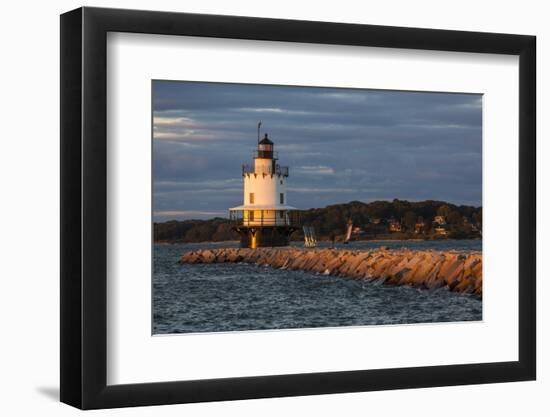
x: 265, y: 218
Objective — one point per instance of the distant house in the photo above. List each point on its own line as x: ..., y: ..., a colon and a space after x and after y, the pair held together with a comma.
x: 440, y: 220
x: 394, y: 226
x: 358, y: 231
x: 441, y: 231
x: 419, y: 227
x: 375, y: 226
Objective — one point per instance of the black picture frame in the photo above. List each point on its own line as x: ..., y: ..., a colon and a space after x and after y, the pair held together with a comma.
x: 84, y: 207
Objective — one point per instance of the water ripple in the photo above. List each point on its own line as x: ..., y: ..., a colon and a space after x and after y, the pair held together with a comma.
x: 229, y: 297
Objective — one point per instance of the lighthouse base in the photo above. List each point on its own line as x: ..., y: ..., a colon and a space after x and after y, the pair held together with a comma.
x: 265, y: 236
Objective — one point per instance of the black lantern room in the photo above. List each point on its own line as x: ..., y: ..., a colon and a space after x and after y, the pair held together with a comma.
x: 265, y: 148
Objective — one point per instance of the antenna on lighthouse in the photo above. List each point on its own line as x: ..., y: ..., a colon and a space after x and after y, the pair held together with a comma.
x: 259, y: 124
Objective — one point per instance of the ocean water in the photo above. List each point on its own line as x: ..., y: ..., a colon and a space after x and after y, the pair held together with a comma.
x: 233, y: 297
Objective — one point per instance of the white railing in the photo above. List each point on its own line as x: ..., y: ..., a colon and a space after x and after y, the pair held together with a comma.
x: 261, y: 218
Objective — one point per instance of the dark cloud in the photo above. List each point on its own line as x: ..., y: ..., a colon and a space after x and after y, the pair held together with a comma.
x: 340, y: 144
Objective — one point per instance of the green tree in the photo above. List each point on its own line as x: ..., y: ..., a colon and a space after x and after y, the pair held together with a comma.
x: 409, y: 220
x: 443, y: 210
x: 454, y: 218
x: 477, y: 216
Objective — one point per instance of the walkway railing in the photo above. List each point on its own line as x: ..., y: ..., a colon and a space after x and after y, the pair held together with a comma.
x: 265, y: 218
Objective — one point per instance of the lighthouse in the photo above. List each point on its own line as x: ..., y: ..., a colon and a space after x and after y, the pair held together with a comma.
x: 264, y: 218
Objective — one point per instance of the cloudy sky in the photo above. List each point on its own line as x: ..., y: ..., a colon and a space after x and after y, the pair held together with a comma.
x: 340, y: 144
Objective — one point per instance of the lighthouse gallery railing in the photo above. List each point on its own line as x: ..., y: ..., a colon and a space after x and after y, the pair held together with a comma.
x: 278, y: 170
x: 266, y: 218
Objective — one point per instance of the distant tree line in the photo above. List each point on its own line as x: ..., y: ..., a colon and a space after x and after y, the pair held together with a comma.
x: 370, y: 220
x: 416, y: 218
x: 213, y: 230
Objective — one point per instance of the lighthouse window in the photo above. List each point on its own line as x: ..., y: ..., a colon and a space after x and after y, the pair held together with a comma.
x: 251, y: 216
x: 251, y: 198
x: 282, y: 198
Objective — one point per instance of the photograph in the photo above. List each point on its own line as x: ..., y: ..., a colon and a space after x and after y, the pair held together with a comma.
x: 296, y: 207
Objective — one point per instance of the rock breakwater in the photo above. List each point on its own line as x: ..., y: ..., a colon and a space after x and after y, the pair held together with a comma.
x: 458, y: 271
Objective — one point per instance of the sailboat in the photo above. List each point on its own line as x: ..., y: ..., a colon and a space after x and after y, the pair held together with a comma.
x: 348, y: 232
x: 310, y: 239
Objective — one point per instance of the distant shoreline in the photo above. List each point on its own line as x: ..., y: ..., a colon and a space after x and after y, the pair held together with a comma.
x: 378, y: 220
x: 328, y: 241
